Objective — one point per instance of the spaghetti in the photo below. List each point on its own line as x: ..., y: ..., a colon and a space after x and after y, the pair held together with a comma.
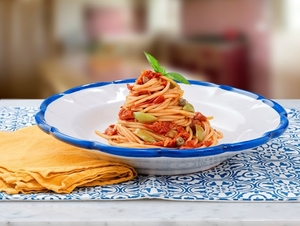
x: 155, y: 114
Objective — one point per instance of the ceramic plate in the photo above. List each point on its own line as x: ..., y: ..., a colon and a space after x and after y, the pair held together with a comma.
x: 246, y: 119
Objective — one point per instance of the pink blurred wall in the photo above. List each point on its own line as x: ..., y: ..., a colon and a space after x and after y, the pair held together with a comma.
x: 113, y: 21
x: 248, y: 17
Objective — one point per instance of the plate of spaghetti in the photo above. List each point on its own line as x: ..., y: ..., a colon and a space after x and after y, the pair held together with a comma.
x: 160, y: 126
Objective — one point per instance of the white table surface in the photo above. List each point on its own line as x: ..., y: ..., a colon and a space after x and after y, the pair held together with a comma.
x: 147, y: 212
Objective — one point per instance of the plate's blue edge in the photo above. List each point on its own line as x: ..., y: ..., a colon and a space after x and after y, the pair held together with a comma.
x: 163, y: 152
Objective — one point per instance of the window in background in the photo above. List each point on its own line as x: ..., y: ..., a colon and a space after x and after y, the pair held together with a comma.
x: 292, y: 15
x: 286, y: 49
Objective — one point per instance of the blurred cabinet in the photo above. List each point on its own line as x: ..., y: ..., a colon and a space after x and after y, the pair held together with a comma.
x: 222, y: 61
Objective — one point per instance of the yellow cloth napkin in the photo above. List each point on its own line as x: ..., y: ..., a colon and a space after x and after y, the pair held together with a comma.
x: 33, y: 161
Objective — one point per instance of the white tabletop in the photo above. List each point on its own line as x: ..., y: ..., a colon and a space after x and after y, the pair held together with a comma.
x: 147, y: 212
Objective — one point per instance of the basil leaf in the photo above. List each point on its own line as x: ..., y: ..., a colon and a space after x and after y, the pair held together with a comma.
x: 163, y: 70
x: 177, y: 77
x: 153, y: 62
x: 157, y: 68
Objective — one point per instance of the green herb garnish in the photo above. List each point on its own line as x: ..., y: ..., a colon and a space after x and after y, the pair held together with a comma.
x: 159, y: 69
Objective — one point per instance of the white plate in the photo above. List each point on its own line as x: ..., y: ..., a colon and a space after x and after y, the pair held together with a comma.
x: 246, y: 119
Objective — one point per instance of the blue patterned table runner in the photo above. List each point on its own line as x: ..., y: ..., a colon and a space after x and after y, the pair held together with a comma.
x: 270, y: 172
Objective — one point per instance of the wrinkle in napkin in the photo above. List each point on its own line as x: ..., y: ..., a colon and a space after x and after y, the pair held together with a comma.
x: 33, y: 161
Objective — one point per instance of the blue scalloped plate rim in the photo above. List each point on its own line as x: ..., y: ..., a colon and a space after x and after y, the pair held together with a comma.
x: 163, y: 152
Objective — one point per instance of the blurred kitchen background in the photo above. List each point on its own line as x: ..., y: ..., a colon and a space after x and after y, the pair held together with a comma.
x: 48, y: 46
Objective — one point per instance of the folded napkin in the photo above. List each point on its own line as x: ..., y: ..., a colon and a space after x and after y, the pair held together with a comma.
x: 32, y: 161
